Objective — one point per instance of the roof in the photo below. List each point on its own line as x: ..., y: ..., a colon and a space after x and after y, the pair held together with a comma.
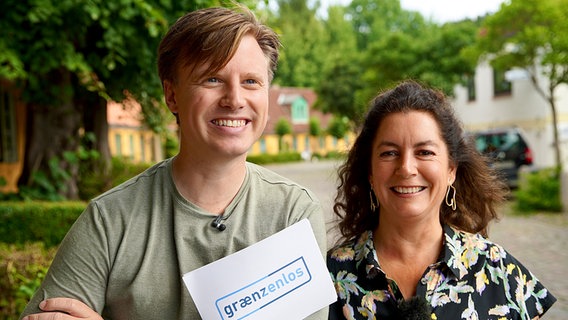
x: 280, y: 100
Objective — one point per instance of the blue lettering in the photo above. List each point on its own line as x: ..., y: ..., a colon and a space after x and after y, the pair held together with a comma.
x: 292, y: 276
x: 245, y: 301
x: 229, y: 311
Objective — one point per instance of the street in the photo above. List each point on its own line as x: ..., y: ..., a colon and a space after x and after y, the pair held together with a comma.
x: 539, y: 241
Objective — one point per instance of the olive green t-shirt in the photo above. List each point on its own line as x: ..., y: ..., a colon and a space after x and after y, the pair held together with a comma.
x: 126, y: 254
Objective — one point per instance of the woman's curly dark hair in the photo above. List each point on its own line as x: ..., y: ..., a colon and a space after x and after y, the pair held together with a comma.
x: 478, y: 188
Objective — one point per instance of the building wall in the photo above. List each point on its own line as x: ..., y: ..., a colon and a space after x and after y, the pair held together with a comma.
x: 128, y: 137
x: 524, y: 108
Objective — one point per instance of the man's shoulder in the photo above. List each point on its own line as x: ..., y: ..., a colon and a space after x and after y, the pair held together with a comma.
x: 270, y: 180
x: 155, y: 176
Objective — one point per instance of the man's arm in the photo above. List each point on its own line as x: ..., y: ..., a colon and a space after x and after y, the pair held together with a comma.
x: 64, y: 309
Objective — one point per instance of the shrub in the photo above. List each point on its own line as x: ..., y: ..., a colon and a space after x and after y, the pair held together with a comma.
x: 539, y: 191
x: 22, y: 269
x: 92, y: 183
x: 47, y: 222
x: 275, y: 158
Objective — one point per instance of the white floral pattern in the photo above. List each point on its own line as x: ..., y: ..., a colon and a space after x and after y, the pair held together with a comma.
x: 473, y: 279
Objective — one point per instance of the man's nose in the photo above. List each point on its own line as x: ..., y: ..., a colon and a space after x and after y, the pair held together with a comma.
x: 233, y: 97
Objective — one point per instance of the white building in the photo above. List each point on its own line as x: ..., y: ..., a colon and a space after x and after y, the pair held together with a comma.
x: 490, y: 102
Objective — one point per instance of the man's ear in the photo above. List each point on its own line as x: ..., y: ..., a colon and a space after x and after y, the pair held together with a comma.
x: 170, y: 96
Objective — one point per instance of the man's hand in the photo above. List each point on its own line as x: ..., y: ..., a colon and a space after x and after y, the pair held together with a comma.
x: 63, y: 309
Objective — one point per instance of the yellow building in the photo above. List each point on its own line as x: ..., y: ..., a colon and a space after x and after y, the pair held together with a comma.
x: 295, y: 105
x: 130, y: 138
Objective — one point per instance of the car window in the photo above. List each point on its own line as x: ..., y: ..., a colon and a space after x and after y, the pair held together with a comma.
x: 487, y: 143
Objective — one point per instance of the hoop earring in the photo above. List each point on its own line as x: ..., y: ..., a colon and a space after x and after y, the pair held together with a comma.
x: 451, y: 200
x: 373, y: 205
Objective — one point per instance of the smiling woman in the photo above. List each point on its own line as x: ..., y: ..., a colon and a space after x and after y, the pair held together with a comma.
x: 415, y: 199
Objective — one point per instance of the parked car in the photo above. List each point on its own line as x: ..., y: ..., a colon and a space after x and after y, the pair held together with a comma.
x: 507, y: 151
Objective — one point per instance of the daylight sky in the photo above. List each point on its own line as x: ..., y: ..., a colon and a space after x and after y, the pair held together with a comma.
x: 451, y: 10
x: 442, y: 10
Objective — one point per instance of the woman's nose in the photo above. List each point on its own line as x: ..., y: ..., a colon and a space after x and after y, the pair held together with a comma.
x: 407, y: 166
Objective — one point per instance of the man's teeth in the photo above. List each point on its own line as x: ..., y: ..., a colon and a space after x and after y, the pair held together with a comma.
x: 407, y: 190
x: 230, y: 123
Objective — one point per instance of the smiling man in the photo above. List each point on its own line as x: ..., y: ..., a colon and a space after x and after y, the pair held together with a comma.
x: 125, y: 256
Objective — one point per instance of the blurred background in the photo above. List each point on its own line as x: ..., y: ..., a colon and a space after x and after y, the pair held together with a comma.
x: 81, y: 105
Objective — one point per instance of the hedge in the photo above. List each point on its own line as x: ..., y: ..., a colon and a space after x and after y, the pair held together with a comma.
x: 29, y: 222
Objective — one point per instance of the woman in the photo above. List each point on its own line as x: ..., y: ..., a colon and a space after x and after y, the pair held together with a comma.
x: 415, y: 200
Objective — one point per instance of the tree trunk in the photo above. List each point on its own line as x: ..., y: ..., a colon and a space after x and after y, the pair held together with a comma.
x: 95, y: 121
x: 52, y: 130
x: 558, y: 155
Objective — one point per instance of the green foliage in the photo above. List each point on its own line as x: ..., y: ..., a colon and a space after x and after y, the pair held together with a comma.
x: 338, y: 127
x: 275, y: 158
x: 539, y: 191
x: 93, y: 183
x: 47, y: 222
x: 171, y: 145
x: 51, y: 185
x: 528, y: 35
x: 282, y: 128
x: 302, y: 36
x: 22, y: 268
x: 315, y: 128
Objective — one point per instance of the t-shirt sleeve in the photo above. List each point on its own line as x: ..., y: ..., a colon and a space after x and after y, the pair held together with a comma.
x: 80, y: 267
x: 530, y: 295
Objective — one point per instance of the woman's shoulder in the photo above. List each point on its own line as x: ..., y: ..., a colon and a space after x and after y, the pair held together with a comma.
x: 472, y: 251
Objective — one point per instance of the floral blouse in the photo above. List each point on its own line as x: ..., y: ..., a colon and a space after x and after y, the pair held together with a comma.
x: 473, y: 279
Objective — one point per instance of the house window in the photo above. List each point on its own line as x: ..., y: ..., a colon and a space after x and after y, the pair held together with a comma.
x: 118, y: 144
x: 8, y: 129
x: 132, y: 147
x: 263, y: 145
x: 500, y: 85
x: 470, y: 82
x: 300, y: 112
x: 142, y: 149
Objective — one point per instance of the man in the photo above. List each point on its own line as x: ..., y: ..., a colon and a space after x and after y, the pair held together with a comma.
x: 125, y: 256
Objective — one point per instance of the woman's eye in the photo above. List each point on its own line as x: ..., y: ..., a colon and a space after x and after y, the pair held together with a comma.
x: 390, y: 153
x: 426, y: 153
x: 212, y: 80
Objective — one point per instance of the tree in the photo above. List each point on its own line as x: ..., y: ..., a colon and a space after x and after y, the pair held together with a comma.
x: 303, y: 50
x: 282, y: 128
x: 529, y: 34
x: 69, y: 58
x: 342, y: 71
x: 338, y: 127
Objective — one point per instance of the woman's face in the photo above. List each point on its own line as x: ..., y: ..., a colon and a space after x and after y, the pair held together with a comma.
x: 410, y: 167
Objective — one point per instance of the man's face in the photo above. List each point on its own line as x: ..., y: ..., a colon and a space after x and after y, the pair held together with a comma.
x: 222, y: 114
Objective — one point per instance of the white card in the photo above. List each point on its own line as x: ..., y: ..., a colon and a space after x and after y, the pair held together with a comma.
x: 281, y: 277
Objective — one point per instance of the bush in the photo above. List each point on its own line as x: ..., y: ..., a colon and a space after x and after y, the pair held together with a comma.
x: 47, y: 222
x: 539, y: 191
x: 22, y: 269
x: 275, y: 158
x: 92, y: 183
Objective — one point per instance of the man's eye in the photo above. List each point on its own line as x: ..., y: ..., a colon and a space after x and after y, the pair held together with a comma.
x: 251, y: 81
